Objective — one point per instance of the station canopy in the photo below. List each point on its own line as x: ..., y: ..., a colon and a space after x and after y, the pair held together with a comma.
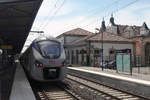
x: 16, y: 19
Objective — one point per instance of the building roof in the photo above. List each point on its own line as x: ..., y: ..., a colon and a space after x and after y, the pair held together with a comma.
x: 76, y: 32
x: 145, y: 38
x: 122, y: 28
x: 109, y: 37
x: 83, y: 39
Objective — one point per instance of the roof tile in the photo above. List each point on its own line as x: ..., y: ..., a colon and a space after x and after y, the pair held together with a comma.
x: 109, y: 37
x: 77, y: 32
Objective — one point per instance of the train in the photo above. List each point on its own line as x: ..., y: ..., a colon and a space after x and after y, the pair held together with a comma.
x: 44, y: 60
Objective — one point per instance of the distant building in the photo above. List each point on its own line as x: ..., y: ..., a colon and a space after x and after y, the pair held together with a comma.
x: 139, y: 34
x: 86, y: 49
x: 67, y: 38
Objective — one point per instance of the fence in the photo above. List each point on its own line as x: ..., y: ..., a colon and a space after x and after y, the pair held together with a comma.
x: 141, y: 65
x: 138, y: 64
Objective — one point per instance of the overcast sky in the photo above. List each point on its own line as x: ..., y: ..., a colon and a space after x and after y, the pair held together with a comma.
x: 58, y: 16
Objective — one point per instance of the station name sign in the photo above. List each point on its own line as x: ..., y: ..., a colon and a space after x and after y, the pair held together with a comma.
x: 123, y: 51
x: 6, y: 47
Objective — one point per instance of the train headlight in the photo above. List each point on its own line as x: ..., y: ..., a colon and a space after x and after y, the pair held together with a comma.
x: 38, y: 64
x: 62, y: 64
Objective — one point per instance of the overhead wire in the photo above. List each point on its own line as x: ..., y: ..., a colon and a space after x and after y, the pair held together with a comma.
x: 46, y: 17
x: 51, y: 18
x: 127, y: 5
x: 94, y: 13
x: 115, y: 11
x: 49, y: 12
x: 108, y: 6
x: 37, y: 26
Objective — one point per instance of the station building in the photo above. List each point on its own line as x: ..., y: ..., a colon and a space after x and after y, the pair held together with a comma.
x: 84, y: 48
x: 139, y: 34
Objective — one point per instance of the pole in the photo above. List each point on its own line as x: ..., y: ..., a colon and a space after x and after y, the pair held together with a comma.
x: 102, y: 52
x: 101, y: 30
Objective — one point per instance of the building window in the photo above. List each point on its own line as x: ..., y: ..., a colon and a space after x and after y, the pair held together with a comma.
x: 111, y: 51
x: 97, y: 51
x: 83, y: 51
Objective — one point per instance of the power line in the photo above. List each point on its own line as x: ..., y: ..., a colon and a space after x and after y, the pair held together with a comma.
x: 46, y: 17
x: 95, y: 12
x: 51, y: 18
x: 129, y: 4
x: 107, y: 7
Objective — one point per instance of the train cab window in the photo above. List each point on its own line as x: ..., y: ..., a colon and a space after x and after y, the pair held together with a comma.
x: 50, y: 49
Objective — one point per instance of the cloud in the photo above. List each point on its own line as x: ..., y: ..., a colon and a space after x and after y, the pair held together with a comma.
x: 56, y: 27
x: 55, y: 8
x: 132, y: 15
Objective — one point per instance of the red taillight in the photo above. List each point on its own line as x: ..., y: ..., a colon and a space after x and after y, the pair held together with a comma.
x: 38, y: 64
x: 62, y: 64
x: 41, y: 65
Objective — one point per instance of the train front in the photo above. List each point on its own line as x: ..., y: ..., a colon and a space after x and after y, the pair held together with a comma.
x: 49, y: 63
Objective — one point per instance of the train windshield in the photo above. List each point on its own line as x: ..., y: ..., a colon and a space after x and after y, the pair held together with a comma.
x: 50, y: 49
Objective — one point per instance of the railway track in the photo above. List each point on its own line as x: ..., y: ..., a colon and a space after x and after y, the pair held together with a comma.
x: 56, y: 92
x: 99, y: 90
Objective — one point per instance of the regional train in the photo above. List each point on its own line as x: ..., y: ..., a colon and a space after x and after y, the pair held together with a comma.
x: 44, y: 60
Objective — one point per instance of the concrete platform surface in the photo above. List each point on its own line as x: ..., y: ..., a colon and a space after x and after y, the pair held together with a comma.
x: 6, y: 80
x: 145, y: 79
x: 21, y: 89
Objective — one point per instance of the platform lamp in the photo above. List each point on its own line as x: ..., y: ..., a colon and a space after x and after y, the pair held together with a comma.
x: 101, y: 32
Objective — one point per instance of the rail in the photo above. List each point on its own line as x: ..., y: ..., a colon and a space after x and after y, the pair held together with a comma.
x: 108, y: 92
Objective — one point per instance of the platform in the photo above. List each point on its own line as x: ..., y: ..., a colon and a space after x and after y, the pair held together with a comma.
x: 139, y: 84
x: 6, y: 79
x: 21, y: 89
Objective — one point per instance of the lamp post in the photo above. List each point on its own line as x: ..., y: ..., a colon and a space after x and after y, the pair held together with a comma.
x: 100, y: 31
x: 102, y: 52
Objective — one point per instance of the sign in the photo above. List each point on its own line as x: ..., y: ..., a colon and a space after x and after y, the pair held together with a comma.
x: 123, y: 62
x: 126, y: 62
x: 6, y: 47
x: 123, y: 51
x: 119, y: 62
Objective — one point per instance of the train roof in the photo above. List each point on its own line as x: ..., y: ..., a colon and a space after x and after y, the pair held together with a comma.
x: 43, y: 37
